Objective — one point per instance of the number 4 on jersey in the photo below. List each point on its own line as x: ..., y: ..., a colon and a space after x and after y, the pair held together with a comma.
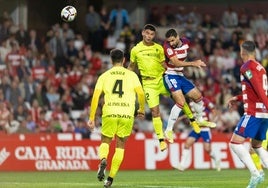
x: 118, y: 88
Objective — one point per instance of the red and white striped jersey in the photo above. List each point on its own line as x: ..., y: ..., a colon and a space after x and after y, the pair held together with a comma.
x: 180, y: 52
x: 254, y: 89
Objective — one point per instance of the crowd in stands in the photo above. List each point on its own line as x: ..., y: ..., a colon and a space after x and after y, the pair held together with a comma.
x: 47, y: 80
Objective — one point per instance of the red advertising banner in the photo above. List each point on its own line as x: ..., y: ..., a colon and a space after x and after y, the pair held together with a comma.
x: 56, y: 152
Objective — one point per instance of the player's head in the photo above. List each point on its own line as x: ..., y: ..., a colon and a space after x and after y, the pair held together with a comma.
x: 172, y: 38
x: 117, y: 56
x: 247, y: 50
x: 148, y: 33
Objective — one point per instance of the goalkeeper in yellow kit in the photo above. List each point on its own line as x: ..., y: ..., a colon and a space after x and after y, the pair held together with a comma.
x: 120, y: 87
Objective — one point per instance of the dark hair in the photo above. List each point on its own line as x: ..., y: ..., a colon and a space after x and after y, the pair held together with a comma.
x: 150, y: 27
x: 171, y: 33
x: 249, y: 46
x: 117, y: 56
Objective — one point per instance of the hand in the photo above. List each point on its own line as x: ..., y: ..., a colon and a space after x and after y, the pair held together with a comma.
x: 231, y: 102
x: 141, y: 115
x: 199, y: 63
x: 91, y: 125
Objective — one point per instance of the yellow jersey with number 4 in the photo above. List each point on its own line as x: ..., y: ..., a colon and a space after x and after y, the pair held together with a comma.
x: 118, y: 85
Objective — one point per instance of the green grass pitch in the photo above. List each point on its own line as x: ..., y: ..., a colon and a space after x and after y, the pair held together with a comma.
x: 124, y: 179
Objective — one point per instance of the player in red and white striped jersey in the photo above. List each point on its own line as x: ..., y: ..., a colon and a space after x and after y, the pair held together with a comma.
x: 254, y: 123
x: 176, y: 50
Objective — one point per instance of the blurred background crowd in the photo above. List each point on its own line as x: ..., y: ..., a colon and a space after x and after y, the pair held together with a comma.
x: 47, y: 78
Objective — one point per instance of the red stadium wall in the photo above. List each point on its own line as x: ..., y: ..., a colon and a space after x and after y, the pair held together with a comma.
x: 38, y: 152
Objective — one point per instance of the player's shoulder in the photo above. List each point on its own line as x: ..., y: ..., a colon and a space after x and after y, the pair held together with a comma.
x: 252, y: 65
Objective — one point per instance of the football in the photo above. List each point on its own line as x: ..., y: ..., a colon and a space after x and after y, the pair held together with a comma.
x: 68, y: 13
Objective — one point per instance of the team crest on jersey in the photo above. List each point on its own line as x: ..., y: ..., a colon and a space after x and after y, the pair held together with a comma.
x: 248, y: 74
x: 169, y: 51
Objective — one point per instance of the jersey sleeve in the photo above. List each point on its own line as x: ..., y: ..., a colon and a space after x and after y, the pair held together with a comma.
x: 95, y: 98
x: 140, y: 93
x: 133, y: 55
x: 169, y: 51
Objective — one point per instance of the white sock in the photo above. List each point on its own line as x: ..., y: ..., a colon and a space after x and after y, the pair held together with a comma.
x: 184, y: 157
x: 174, y: 114
x: 198, y: 108
x: 213, y: 156
x: 244, y: 156
x: 263, y: 155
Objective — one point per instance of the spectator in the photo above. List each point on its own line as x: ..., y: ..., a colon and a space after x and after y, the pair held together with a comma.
x: 118, y: 19
x: 31, y: 124
x: 4, y: 116
x: 20, y: 113
x: 93, y: 23
x: 79, y: 97
x: 229, y: 120
x: 58, y: 49
x: 22, y: 35
x: 69, y: 31
x: 40, y: 96
x: 105, y: 24
x: 82, y: 128
x: 66, y: 124
x: 13, y: 125
x: 230, y: 18
x: 13, y: 93
x: 53, y: 96
x: 43, y: 125
x: 34, y: 42
x: 208, y: 23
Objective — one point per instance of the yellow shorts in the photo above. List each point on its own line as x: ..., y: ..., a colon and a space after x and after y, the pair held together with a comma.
x: 153, y: 89
x: 122, y: 127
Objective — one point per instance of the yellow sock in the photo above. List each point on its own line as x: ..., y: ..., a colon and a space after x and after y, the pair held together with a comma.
x: 187, y: 111
x: 256, y: 160
x: 116, y: 161
x: 158, y: 127
x: 103, y: 150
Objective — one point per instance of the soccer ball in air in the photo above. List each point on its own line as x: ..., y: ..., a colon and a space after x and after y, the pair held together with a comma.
x: 68, y: 13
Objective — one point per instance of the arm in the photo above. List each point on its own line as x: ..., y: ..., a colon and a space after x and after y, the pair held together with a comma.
x: 232, y: 100
x: 132, y: 66
x: 197, y: 63
x: 141, y: 101
x: 93, y: 108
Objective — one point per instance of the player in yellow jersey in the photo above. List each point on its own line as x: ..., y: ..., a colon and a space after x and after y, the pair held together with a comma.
x: 120, y: 87
x: 148, y: 56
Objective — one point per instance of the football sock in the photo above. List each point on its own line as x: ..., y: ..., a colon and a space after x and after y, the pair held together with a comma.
x: 265, y: 142
x: 212, y: 155
x: 198, y: 107
x: 116, y: 161
x: 104, y: 151
x: 256, y: 159
x: 173, y: 116
x: 158, y: 127
x: 184, y: 157
x: 263, y: 155
x: 187, y: 111
x: 244, y: 156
